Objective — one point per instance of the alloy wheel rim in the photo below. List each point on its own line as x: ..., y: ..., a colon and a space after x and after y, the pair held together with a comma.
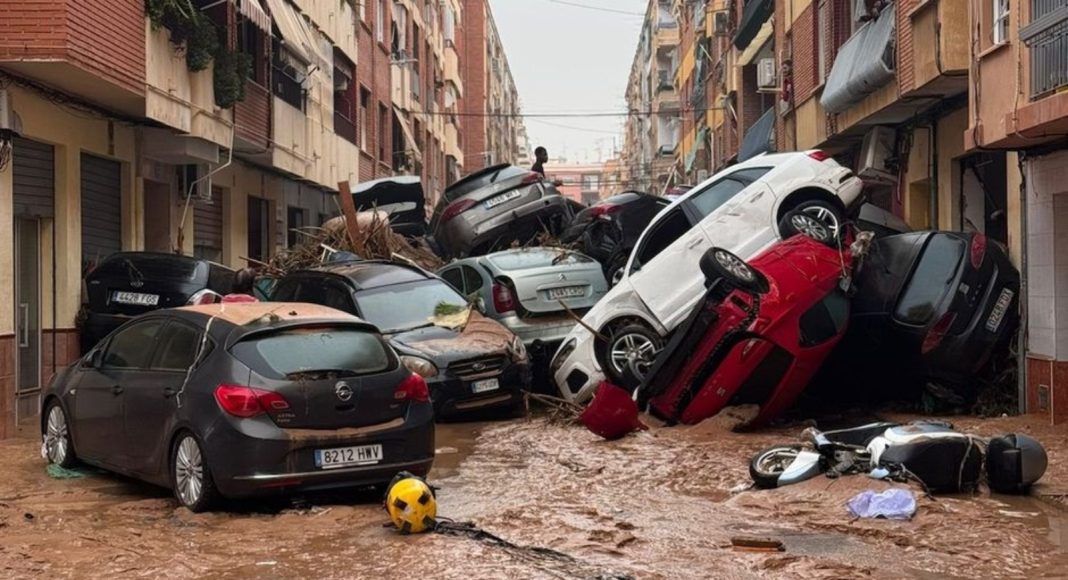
x: 735, y: 266
x: 632, y: 348
x: 189, y: 471
x: 775, y: 461
x: 57, y: 441
x: 811, y: 227
x: 824, y: 216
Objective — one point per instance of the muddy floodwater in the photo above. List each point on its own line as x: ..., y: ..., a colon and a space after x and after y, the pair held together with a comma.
x: 656, y: 505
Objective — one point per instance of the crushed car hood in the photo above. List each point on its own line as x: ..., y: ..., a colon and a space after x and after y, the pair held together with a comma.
x: 481, y: 336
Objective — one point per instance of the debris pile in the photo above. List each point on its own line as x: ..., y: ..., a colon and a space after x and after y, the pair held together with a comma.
x: 373, y: 240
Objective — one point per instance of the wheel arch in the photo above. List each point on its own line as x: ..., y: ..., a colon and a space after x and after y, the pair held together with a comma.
x: 807, y: 193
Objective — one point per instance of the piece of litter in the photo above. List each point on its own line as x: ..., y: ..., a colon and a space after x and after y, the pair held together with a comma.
x: 57, y: 472
x: 892, y: 504
x: 446, y: 450
x: 267, y: 563
x: 879, y: 473
x: 751, y: 544
x: 741, y: 487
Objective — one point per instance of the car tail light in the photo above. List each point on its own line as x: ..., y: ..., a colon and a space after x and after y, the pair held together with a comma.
x: 413, y: 389
x: 532, y: 177
x: 818, y: 155
x: 604, y: 209
x: 203, y: 297
x: 503, y: 300
x: 246, y: 402
x: 456, y: 208
x: 978, y: 250
x: 938, y: 332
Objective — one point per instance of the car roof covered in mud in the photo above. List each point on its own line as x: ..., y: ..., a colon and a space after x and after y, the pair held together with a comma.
x: 368, y: 274
x: 231, y: 323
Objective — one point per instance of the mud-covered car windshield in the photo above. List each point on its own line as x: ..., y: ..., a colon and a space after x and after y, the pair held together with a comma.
x: 402, y: 307
x: 527, y: 259
x: 314, y: 349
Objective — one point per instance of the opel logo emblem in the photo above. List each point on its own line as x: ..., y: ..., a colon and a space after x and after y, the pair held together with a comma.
x: 343, y: 391
x: 478, y: 367
x: 137, y: 283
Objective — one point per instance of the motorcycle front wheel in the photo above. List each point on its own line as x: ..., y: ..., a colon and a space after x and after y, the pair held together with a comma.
x: 767, y: 465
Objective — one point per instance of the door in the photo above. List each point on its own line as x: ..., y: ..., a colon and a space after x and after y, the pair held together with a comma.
x: 28, y: 314
x: 736, y: 212
x: 99, y: 400
x: 208, y: 227
x: 150, y: 397
x: 672, y: 283
x: 101, y: 209
x: 258, y: 242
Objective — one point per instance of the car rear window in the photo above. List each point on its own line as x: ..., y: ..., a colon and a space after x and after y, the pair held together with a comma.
x: 930, y: 282
x: 298, y: 350
x: 620, y: 199
x: 151, y: 267
x: 463, y: 188
x: 528, y: 259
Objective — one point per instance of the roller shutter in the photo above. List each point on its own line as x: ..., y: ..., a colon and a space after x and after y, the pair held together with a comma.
x: 34, y: 178
x: 208, y: 227
x: 101, y: 208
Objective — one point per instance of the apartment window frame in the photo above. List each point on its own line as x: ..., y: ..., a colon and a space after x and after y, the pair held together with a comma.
x: 296, y: 219
x: 361, y: 120
x: 823, y: 49
x: 345, y: 100
x: 362, y: 5
x: 999, y: 21
x: 383, y: 122
x: 380, y: 21
x: 287, y: 87
x: 251, y: 41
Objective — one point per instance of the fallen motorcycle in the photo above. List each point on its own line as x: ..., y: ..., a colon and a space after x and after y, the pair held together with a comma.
x: 931, y: 453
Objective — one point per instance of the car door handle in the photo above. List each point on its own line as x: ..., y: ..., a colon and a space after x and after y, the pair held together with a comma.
x: 694, y: 243
x: 117, y: 390
x: 168, y: 392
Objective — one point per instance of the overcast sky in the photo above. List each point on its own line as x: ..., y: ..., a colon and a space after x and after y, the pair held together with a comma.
x: 567, y: 59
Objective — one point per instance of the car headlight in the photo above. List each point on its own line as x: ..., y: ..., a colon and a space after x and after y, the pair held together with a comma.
x: 420, y: 366
x: 518, y: 349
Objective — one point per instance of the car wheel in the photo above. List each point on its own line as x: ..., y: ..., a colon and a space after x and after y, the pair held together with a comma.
x: 190, y: 477
x: 58, y: 445
x: 807, y: 224
x: 630, y: 354
x: 825, y: 211
x: 767, y: 465
x: 718, y: 263
x: 614, y: 272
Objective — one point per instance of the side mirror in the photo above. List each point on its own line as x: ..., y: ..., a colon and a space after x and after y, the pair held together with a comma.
x: 96, y: 358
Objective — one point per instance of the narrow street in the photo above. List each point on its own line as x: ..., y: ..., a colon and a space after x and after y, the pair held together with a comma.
x: 655, y: 505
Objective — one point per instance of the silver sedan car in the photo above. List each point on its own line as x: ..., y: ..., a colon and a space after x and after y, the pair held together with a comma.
x: 527, y: 289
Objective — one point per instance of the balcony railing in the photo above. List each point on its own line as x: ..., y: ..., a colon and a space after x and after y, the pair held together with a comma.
x: 1047, y: 37
x: 665, y: 81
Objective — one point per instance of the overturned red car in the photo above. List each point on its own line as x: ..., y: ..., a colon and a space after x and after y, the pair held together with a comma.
x: 761, y: 332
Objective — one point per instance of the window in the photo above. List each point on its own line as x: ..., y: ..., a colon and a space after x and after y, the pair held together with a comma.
x: 296, y: 219
x: 1000, y: 28
x: 258, y: 225
x: 455, y: 278
x: 472, y: 280
x: 590, y: 182
x: 662, y: 235
x: 383, y: 122
x: 363, y: 9
x: 400, y: 29
x: 321, y: 291
x: 380, y: 20
x: 287, y: 77
x: 715, y: 195
x: 132, y: 346
x: 822, y: 30
x: 297, y: 350
x: 250, y: 41
x: 178, y: 346
x: 344, y: 97
x: 449, y: 24
x: 402, y: 307
x: 361, y: 123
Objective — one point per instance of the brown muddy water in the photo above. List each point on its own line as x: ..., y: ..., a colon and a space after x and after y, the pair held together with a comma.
x: 655, y: 505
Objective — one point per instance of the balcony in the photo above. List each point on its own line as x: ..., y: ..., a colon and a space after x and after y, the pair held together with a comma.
x: 252, y: 117
x: 1047, y: 37
x: 665, y: 82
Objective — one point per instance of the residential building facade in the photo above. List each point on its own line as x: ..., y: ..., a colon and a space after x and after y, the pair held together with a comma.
x: 580, y: 182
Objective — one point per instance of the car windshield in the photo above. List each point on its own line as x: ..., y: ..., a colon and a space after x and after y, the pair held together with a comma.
x: 479, y: 181
x: 402, y: 307
x: 537, y: 258
x: 930, y: 282
x: 151, y: 267
x: 311, y: 349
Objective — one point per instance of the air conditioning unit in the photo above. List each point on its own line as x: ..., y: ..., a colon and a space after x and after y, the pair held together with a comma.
x: 766, y: 77
x: 721, y: 23
x: 877, y: 156
x: 195, y: 175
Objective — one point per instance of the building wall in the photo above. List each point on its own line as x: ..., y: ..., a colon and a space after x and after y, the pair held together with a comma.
x: 373, y: 73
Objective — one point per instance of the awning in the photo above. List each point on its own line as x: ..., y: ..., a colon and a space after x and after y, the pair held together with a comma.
x: 252, y: 10
x: 758, y: 139
x: 698, y: 146
x: 754, y: 15
x: 863, y: 65
x: 756, y: 44
x: 295, y: 36
x: 409, y: 138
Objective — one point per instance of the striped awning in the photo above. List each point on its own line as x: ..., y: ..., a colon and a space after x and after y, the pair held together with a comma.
x: 255, y: 14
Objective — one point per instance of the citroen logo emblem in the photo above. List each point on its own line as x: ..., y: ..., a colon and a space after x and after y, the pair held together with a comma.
x: 343, y: 391
x: 563, y: 277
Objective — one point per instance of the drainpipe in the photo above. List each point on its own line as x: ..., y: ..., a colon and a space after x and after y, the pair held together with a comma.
x: 1021, y: 338
x: 192, y: 186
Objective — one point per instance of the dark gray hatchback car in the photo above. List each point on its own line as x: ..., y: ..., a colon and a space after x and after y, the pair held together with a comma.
x: 236, y: 400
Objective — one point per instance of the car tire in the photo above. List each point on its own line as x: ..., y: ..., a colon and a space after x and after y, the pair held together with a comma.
x: 718, y: 263
x: 823, y: 210
x: 768, y: 464
x: 616, y: 263
x: 58, y: 445
x: 191, y: 479
x: 635, y: 339
x: 799, y: 222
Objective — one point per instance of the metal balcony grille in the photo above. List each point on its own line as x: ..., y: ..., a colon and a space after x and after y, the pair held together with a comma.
x: 1047, y: 37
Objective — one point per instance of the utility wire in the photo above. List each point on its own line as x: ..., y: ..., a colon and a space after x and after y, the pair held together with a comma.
x: 598, y: 8
x: 574, y: 128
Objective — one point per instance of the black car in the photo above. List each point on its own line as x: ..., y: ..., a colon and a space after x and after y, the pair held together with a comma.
x: 242, y: 399
x: 401, y: 197
x: 128, y: 284
x: 481, y: 368
x: 936, y: 305
x: 609, y: 230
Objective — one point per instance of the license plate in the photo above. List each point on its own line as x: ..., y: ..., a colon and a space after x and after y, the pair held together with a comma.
x: 348, y: 456
x: 1000, y: 308
x: 485, y: 386
x: 135, y: 298
x: 503, y: 198
x: 568, y: 292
